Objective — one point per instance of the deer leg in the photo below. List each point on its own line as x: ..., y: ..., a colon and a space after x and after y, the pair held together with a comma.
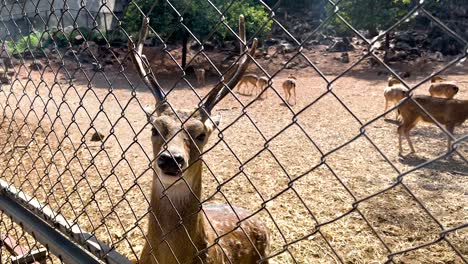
x: 386, y: 107
x: 400, y: 134
x: 450, y: 128
x: 407, y: 131
x: 409, y: 141
x: 295, y: 96
x: 242, y: 91
x: 396, y: 114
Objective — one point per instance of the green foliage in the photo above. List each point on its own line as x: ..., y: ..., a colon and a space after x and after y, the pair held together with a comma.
x: 25, y: 43
x: 371, y: 15
x: 199, y: 16
x: 255, y: 18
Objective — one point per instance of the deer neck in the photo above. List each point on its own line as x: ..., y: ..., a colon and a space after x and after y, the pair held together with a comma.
x: 170, y: 206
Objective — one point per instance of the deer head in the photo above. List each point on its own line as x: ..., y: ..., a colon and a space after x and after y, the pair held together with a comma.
x: 178, y: 137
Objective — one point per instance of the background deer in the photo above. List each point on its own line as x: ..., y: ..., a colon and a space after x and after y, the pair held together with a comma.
x: 248, y: 82
x: 393, y: 93
x: 179, y: 229
x: 261, y: 85
x: 442, y: 88
x: 200, y: 74
x: 289, y: 87
x: 448, y: 112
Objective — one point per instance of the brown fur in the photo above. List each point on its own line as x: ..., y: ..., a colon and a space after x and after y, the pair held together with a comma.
x: 448, y: 112
x: 442, y: 88
x: 247, y: 80
x: 289, y: 88
x: 394, y: 93
x: 393, y: 81
x: 437, y: 79
x: 180, y: 229
x: 261, y: 85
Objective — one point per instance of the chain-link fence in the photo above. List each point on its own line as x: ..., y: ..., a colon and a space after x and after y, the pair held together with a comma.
x: 89, y: 173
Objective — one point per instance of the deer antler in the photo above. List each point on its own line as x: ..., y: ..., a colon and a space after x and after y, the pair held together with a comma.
x: 233, y: 76
x: 142, y: 65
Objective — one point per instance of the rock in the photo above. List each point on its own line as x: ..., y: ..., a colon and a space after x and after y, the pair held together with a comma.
x: 290, y: 65
x: 229, y: 45
x: 342, y: 45
x: 420, y: 37
x: 284, y: 47
x: 414, y: 51
x: 78, y: 40
x: 71, y: 53
x: 446, y: 45
x: 344, y: 57
x: 393, y: 56
x: 272, y: 42
x: 84, y: 59
x: 68, y: 29
x: 208, y: 46
x: 405, y: 37
x: 437, y: 56
x: 405, y: 74
x: 97, y: 137
x: 36, y: 66
x: 4, y: 80
x: 313, y: 42
x: 402, y: 46
x: 373, y: 62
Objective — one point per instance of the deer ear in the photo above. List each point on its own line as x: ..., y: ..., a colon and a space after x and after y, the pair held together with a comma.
x: 150, y: 113
x: 213, y: 122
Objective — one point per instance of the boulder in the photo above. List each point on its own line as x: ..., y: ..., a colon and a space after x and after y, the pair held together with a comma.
x: 344, y: 57
x: 272, y: 42
x: 36, y: 66
x: 341, y: 45
x: 97, y: 136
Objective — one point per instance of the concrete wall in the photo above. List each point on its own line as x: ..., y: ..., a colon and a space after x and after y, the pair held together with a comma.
x: 19, y: 17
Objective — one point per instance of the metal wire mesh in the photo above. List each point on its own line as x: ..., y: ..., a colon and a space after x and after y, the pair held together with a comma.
x: 323, y: 174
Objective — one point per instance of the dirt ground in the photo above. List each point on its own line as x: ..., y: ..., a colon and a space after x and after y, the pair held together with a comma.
x: 316, y: 165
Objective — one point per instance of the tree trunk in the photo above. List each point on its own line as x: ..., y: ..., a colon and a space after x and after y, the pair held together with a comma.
x: 386, y: 46
x: 185, y: 36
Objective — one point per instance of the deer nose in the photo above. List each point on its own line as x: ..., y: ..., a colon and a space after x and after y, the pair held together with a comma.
x: 171, y: 164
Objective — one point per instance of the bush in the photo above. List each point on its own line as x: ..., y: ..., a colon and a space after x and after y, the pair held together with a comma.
x: 199, y: 17
x: 27, y: 43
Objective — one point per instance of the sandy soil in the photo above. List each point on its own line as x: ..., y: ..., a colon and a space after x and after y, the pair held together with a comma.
x: 316, y: 164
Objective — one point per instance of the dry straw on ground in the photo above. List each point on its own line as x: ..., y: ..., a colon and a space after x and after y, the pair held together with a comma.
x: 104, y: 186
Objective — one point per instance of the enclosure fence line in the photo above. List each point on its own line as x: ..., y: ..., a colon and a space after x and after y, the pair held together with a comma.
x: 45, y: 200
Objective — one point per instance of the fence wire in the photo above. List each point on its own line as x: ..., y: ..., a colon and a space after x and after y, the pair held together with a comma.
x: 323, y: 175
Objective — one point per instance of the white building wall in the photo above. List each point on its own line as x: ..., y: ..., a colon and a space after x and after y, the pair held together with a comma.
x: 19, y: 17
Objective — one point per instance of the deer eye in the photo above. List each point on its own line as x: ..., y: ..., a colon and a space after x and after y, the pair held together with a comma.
x: 201, y: 137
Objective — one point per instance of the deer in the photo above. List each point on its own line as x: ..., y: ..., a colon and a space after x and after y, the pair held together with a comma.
x: 289, y: 87
x: 447, y: 112
x: 180, y: 229
x: 442, y: 88
x: 393, y: 93
x: 246, y: 80
x: 200, y: 74
x: 262, y: 84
